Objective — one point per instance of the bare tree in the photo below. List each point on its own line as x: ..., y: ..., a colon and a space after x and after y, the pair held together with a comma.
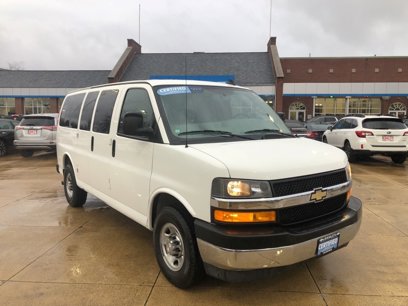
x: 16, y: 66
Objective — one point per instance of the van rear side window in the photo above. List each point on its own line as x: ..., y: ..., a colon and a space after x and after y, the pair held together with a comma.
x: 70, y: 111
x: 104, y: 109
x: 87, y: 111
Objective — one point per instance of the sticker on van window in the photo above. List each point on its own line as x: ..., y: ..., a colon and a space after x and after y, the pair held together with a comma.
x: 173, y: 90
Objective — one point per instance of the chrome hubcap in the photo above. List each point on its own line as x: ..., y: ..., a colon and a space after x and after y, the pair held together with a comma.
x: 172, y: 247
x: 68, y: 185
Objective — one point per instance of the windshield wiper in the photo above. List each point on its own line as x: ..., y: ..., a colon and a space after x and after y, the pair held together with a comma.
x: 268, y: 131
x: 214, y: 132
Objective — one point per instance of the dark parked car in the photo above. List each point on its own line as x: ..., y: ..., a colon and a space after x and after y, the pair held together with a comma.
x: 297, y: 128
x: 6, y: 135
x: 316, y: 133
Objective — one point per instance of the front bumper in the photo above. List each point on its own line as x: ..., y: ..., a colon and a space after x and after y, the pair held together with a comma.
x: 245, y: 249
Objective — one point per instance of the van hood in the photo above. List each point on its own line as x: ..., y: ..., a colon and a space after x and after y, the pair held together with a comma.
x: 275, y: 158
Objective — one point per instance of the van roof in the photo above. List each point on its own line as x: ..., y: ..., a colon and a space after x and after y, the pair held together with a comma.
x: 42, y: 115
x: 162, y: 82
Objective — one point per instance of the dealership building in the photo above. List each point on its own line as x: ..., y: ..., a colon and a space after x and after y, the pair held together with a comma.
x: 300, y: 87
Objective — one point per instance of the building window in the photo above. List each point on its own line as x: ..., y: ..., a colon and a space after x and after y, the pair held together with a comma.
x: 377, y: 70
x: 331, y: 70
x: 310, y: 70
x: 397, y: 109
x: 330, y: 106
x: 7, y: 106
x: 268, y: 99
x: 297, y: 111
x: 288, y: 70
x: 399, y: 69
x: 37, y: 105
x: 353, y: 70
x: 366, y: 106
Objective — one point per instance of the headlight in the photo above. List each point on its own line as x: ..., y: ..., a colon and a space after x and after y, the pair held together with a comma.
x: 235, y: 188
x: 348, y: 173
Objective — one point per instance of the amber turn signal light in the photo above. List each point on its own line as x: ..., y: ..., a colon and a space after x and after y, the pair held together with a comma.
x: 244, y: 216
x: 348, y: 195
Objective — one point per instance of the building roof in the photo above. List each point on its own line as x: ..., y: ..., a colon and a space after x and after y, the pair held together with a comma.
x: 52, y: 79
x: 252, y: 68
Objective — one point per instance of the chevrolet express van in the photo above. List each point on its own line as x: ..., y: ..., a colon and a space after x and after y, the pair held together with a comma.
x: 212, y: 170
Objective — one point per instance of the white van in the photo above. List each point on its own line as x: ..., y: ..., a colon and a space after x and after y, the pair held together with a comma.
x: 212, y: 170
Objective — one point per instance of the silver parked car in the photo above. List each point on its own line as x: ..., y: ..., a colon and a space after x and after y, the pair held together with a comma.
x: 36, y: 132
x: 320, y: 123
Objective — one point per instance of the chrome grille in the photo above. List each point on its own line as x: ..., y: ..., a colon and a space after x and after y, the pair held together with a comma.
x: 310, y: 211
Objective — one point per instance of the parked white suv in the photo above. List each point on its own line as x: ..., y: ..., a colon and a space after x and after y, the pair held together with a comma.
x: 212, y: 170
x: 36, y: 132
x: 369, y: 135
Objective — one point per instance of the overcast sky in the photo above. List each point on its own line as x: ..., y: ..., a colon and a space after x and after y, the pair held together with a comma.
x: 91, y: 34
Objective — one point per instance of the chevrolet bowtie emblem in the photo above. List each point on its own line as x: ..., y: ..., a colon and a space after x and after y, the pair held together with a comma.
x: 318, y: 195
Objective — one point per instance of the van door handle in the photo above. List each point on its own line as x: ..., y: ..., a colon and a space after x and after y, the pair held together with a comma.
x: 92, y: 143
x: 113, y: 148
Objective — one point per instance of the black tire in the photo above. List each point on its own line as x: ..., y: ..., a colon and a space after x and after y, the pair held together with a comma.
x: 27, y: 153
x: 399, y: 158
x: 176, y: 248
x: 3, y: 148
x: 351, y: 155
x: 76, y: 197
x: 324, y: 139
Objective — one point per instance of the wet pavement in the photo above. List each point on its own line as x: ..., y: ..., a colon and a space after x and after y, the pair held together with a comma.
x: 52, y: 254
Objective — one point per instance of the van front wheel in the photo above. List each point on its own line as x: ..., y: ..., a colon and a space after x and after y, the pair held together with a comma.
x: 176, y: 249
x: 76, y: 197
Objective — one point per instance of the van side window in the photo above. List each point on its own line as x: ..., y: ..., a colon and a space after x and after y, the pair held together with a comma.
x: 70, y: 110
x: 104, y: 109
x: 137, y: 101
x: 87, y: 111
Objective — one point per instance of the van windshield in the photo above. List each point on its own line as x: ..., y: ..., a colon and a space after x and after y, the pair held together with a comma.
x: 213, y: 114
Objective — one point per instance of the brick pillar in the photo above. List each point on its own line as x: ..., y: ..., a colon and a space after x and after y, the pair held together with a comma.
x: 278, y: 72
x: 279, y: 95
x: 385, y: 104
x: 19, y: 102
x: 125, y: 60
x: 53, y: 105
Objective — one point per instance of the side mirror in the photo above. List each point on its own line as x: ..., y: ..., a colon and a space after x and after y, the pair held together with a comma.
x: 133, y: 125
x: 330, y: 127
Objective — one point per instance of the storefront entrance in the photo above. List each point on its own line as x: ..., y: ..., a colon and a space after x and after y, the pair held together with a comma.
x: 397, y: 109
x: 297, y: 111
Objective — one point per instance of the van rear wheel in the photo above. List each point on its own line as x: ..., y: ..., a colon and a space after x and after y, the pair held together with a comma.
x: 176, y: 248
x: 76, y: 197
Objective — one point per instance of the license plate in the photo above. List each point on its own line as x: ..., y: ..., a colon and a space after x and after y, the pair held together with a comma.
x: 388, y: 138
x: 32, y: 132
x: 327, y: 244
